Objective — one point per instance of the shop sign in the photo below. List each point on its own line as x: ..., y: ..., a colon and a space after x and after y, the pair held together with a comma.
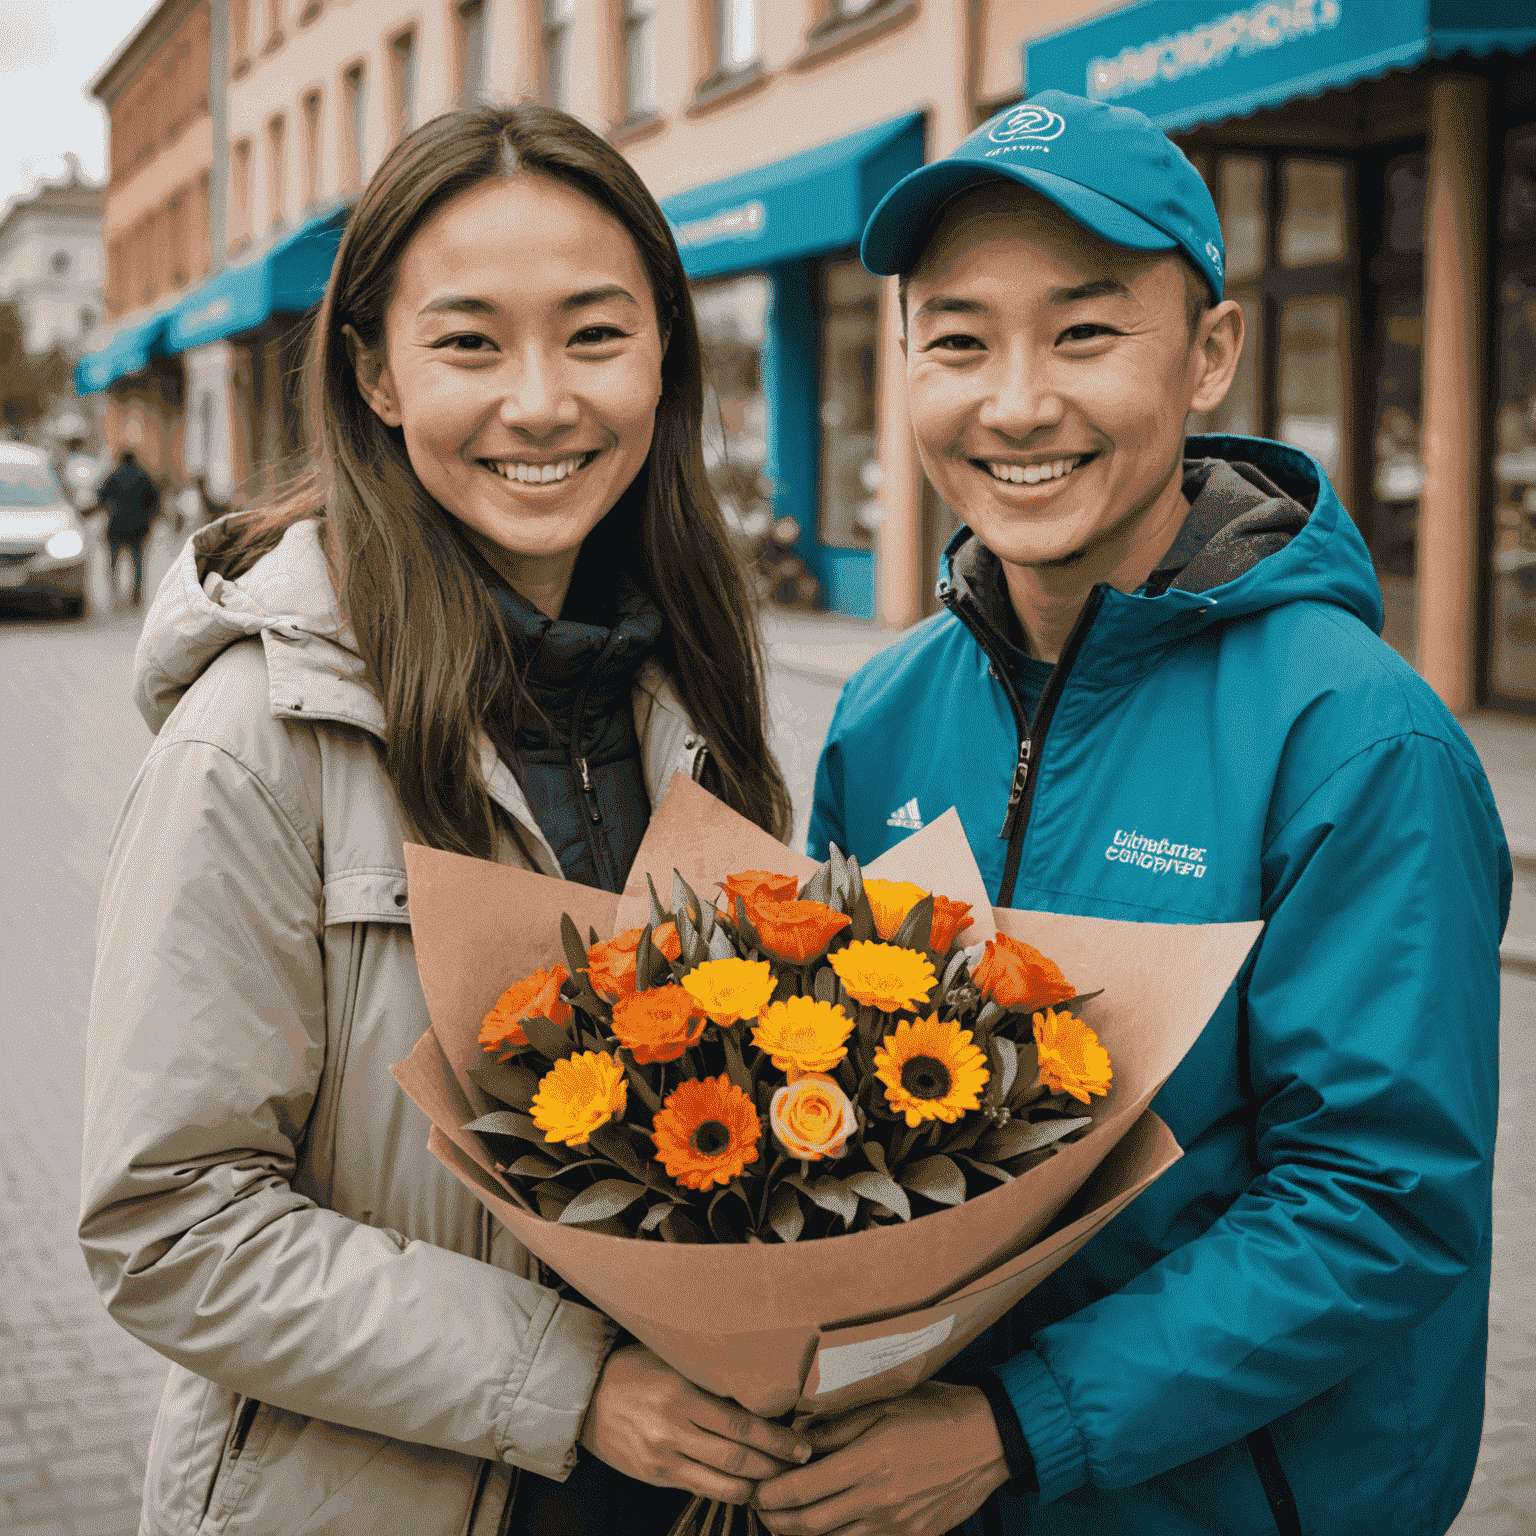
x: 1241, y: 34
x: 746, y: 222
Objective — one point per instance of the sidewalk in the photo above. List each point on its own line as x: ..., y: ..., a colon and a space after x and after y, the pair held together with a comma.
x: 828, y: 648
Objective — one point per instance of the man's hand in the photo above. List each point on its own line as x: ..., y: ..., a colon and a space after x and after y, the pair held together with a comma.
x: 655, y: 1425
x: 915, y: 1466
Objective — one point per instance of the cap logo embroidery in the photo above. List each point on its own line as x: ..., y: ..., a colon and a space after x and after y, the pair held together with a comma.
x: 1215, y: 255
x: 1027, y: 123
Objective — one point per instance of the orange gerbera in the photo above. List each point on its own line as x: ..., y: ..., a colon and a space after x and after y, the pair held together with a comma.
x: 755, y: 885
x: 891, y: 901
x: 1015, y: 974
x: 578, y: 1094
x: 797, y: 931
x: 658, y: 1024
x: 502, y: 1029
x: 706, y: 1132
x: 611, y: 964
x: 731, y: 990
x: 931, y: 1070
x: 1071, y: 1058
x: 803, y: 1034
x: 883, y: 976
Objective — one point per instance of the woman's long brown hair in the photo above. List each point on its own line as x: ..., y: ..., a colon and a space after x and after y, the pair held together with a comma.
x: 425, y: 621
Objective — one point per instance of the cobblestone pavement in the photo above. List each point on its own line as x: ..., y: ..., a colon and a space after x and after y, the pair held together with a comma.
x: 77, y: 1394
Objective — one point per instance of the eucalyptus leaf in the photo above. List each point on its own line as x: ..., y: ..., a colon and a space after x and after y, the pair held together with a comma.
x: 613, y: 1144
x: 657, y: 1214
x: 658, y: 912
x: 547, y: 1038
x: 990, y: 1169
x: 640, y: 1081
x: 718, y: 1215
x: 720, y: 946
x: 876, y: 1155
x: 991, y: 1012
x: 824, y: 985
x: 532, y: 1166
x: 507, y: 1082
x: 882, y: 1189
x: 748, y: 933
x: 1021, y: 1136
x: 645, y: 960
x: 916, y: 931
x: 1004, y: 1056
x: 819, y: 886
x: 855, y: 883
x: 837, y: 868
x: 951, y: 971
x: 604, y: 1199
x: 830, y: 1194
x: 683, y: 898
x: 735, y: 1065
x: 862, y: 927
x: 550, y: 1204
x: 507, y: 1122
x: 785, y: 1215
x: 679, y: 1227
x: 575, y: 950
x: 936, y: 1178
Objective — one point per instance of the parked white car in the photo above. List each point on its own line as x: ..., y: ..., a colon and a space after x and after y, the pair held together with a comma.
x: 42, y: 541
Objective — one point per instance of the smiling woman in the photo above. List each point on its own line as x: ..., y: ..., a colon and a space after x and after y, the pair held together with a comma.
x: 497, y: 616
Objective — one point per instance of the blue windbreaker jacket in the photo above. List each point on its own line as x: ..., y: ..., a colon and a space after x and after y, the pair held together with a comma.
x: 1287, y: 1331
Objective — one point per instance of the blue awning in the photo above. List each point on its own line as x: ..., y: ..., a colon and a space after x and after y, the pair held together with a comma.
x: 287, y: 279
x: 817, y: 200
x: 1187, y: 62
x: 129, y: 351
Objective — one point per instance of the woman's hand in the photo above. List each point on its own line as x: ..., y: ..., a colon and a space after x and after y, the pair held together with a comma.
x: 914, y: 1466
x: 655, y: 1425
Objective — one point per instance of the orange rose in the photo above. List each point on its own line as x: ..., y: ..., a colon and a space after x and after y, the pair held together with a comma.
x: 755, y: 885
x: 611, y: 964
x: 949, y: 918
x: 658, y: 1024
x: 797, y: 931
x: 890, y: 901
x: 1012, y: 973
x: 539, y: 994
x: 811, y: 1117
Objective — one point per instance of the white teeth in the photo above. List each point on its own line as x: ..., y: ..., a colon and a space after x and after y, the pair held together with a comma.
x: 536, y: 474
x: 1033, y: 474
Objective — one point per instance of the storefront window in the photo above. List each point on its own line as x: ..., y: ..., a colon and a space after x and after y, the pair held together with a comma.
x: 1512, y: 560
x: 850, y: 465
x: 1312, y: 226
x: 1244, y: 218
x: 1311, y: 374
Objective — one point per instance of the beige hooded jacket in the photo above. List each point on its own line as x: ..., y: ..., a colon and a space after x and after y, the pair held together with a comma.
x: 355, y: 1345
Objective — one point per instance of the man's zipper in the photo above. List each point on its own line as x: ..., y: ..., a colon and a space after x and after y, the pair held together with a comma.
x: 1021, y: 792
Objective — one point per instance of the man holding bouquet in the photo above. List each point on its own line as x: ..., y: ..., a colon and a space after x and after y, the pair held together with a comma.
x: 1156, y: 694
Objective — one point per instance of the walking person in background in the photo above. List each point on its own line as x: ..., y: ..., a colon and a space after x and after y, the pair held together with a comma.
x: 499, y: 616
x: 132, y: 500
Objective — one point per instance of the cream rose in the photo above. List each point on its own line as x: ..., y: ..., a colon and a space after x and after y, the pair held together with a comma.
x: 811, y: 1117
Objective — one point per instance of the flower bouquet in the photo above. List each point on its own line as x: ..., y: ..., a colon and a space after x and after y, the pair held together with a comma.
x: 822, y: 1111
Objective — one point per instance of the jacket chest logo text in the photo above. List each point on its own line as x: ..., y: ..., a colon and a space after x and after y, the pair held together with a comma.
x: 1156, y: 854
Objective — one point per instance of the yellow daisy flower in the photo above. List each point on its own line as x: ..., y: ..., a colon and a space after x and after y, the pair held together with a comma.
x: 803, y: 1035
x: 729, y: 990
x: 1071, y: 1058
x: 931, y: 1070
x: 577, y: 1095
x: 883, y: 976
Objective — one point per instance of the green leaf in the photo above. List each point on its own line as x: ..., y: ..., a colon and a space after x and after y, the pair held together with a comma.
x: 830, y: 1194
x: 1028, y: 1076
x: 532, y: 1166
x: 552, y: 1202
x: 658, y: 912
x: 1003, y: 1055
x: 837, y: 867
x: 657, y: 1214
x: 748, y: 933
x: 951, y: 972
x: 1021, y: 1136
x: 916, y: 931
x: 991, y: 1169
x: 720, y: 946
x: 882, y: 1189
x: 547, y: 1038
x: 990, y: 1013
x: 678, y: 1227
x: 824, y: 985
x: 507, y: 1122
x: 645, y: 960
x: 856, y: 894
x: 735, y: 1064
x: 937, y: 1179
x: 507, y: 1082
x: 819, y: 886
x: 613, y: 1144
x: 604, y: 1199
x: 784, y: 1214
x: 876, y: 1155
x: 862, y: 928
x: 575, y: 950
x: 639, y: 1080
x: 718, y: 1214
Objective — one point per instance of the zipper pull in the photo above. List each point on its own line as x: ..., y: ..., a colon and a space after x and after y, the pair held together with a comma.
x: 586, y: 784
x: 1016, y: 793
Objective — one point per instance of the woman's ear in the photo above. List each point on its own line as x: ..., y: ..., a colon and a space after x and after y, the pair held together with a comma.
x: 373, y: 378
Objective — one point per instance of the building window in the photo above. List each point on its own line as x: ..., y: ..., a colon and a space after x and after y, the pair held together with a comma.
x: 311, y: 148
x: 557, y: 52
x: 239, y: 34
x: 180, y: 243
x: 274, y: 25
x: 202, y: 232
x: 277, y: 188
x: 87, y: 320
x: 355, y: 124
x: 60, y: 263
x: 735, y: 34
x: 639, y: 61
x: 240, y: 185
x: 850, y: 463
x: 403, y: 60
x: 471, y: 18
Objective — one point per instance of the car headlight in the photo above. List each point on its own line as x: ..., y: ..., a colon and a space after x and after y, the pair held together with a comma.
x: 65, y: 544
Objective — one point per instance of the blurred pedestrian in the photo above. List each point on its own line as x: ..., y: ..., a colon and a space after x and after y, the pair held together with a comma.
x: 132, y: 501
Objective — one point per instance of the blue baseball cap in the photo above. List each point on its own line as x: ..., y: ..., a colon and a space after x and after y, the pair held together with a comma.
x: 1109, y: 168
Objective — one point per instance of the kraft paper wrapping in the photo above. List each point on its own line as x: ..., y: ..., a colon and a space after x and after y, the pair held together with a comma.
x: 828, y: 1324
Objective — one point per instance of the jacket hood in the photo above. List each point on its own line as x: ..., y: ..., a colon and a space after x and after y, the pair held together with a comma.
x: 287, y: 599
x: 1324, y: 560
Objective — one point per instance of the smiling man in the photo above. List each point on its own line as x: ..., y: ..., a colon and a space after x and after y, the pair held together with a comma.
x: 1157, y: 695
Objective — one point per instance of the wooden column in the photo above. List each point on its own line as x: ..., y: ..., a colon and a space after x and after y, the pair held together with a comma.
x: 899, y: 547
x: 1455, y: 260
